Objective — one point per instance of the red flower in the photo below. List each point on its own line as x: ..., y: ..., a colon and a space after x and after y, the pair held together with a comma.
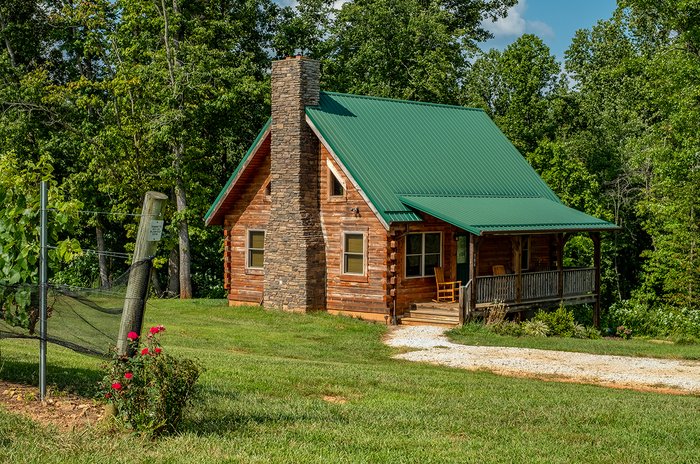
x: 158, y: 350
x: 132, y: 335
x: 128, y: 376
x: 157, y: 329
x: 108, y: 395
x: 117, y: 386
x: 144, y: 351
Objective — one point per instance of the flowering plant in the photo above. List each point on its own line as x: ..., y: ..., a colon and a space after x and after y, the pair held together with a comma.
x: 150, y: 389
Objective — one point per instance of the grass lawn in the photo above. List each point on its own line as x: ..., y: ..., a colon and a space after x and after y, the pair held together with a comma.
x: 477, y: 334
x: 262, y: 400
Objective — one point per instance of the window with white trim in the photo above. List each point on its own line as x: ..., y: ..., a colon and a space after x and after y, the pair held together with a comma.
x: 423, y: 253
x: 255, y: 249
x: 354, y: 253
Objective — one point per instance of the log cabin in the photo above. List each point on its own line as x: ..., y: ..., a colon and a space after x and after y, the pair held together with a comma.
x: 351, y: 204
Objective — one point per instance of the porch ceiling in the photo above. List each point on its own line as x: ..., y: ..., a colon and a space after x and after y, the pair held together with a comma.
x: 492, y: 215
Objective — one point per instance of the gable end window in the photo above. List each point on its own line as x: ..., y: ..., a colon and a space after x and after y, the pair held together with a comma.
x: 423, y: 253
x: 336, y: 188
x: 255, y: 249
x: 354, y: 253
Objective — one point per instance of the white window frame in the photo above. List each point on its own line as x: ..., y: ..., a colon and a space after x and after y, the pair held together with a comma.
x: 364, y: 253
x: 422, y: 255
x: 248, y: 248
x: 332, y: 172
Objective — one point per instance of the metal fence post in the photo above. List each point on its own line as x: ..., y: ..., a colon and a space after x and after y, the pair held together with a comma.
x: 43, y: 287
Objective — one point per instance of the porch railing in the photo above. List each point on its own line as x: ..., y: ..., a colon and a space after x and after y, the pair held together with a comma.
x: 534, y: 286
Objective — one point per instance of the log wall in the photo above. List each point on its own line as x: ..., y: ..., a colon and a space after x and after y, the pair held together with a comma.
x: 362, y: 296
x: 422, y: 289
x: 250, y: 211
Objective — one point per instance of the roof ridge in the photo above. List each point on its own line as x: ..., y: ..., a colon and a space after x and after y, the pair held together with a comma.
x: 410, y: 102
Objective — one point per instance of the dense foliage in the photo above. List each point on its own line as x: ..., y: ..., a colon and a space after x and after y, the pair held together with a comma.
x: 120, y: 97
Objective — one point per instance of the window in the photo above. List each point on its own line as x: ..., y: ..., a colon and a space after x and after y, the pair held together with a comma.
x: 256, y: 249
x: 268, y: 189
x: 354, y: 253
x: 525, y: 254
x: 423, y: 254
x: 336, y: 188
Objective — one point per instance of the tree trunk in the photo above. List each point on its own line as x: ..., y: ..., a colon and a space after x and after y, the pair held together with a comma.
x: 105, y: 281
x: 174, y: 272
x: 155, y: 283
x: 184, y: 242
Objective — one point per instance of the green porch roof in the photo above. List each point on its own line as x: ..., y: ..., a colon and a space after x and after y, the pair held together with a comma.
x: 483, y: 215
x: 397, y: 147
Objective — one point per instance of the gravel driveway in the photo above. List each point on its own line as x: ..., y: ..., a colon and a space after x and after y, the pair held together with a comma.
x: 432, y: 346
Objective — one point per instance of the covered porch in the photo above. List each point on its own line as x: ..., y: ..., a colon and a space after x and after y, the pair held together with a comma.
x: 511, y: 250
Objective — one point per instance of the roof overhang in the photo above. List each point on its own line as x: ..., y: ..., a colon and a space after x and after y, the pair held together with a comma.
x: 506, y: 215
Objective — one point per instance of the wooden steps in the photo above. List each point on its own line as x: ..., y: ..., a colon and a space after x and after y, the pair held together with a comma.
x: 438, y: 314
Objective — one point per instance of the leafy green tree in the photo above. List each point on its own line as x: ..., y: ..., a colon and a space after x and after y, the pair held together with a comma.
x: 19, y: 237
x: 410, y: 49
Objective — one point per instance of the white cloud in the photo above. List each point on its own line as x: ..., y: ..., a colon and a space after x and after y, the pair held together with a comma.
x: 515, y: 24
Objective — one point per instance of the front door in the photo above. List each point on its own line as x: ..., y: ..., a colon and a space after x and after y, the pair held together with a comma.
x: 462, y: 259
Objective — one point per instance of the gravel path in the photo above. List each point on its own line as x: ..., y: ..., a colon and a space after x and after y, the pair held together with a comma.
x: 431, y: 345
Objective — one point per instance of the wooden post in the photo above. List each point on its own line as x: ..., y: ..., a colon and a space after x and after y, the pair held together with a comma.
x: 517, y: 245
x: 473, y: 268
x: 137, y: 288
x: 560, y: 266
x: 595, y: 236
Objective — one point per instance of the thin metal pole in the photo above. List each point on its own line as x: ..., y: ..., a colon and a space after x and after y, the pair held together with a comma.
x: 43, y: 287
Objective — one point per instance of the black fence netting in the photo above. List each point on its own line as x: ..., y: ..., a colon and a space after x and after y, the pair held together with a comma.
x: 82, y: 319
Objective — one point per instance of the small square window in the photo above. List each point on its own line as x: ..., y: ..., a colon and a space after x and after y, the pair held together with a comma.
x: 423, y: 254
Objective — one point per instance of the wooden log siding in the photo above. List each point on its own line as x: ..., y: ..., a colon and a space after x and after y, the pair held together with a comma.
x: 251, y: 210
x: 422, y: 289
x: 364, y: 296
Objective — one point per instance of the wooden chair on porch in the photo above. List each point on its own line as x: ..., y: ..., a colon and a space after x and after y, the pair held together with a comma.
x: 447, y: 292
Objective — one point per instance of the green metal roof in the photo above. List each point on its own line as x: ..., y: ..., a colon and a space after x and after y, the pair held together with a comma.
x: 397, y: 147
x: 480, y: 215
x: 447, y: 161
x: 231, y: 180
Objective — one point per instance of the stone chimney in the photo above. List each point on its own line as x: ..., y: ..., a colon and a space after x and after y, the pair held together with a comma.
x: 295, y: 264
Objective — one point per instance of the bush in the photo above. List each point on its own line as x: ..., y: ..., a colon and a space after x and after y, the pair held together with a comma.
x: 660, y: 321
x: 150, y: 389
x: 535, y: 328
x: 561, y: 322
x: 509, y: 328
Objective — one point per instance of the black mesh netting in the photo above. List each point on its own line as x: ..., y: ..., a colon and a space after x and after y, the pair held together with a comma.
x: 82, y: 319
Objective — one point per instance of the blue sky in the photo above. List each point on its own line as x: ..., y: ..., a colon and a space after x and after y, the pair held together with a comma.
x: 554, y: 21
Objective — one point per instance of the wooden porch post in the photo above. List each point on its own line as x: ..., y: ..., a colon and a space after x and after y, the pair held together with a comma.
x: 560, y: 266
x: 473, y: 267
x: 595, y: 236
x: 517, y: 245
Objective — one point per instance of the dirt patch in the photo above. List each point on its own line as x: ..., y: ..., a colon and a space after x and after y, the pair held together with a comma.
x: 66, y: 412
x: 335, y: 399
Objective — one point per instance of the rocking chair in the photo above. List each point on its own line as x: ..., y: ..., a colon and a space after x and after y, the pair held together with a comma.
x: 447, y: 292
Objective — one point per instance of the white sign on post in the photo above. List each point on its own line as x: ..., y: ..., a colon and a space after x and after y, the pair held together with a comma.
x: 155, y: 230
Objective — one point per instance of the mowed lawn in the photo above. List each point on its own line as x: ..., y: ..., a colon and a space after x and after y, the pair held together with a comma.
x: 317, y: 388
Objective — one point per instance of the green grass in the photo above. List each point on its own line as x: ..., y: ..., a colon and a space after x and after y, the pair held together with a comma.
x: 262, y: 400
x: 477, y: 334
